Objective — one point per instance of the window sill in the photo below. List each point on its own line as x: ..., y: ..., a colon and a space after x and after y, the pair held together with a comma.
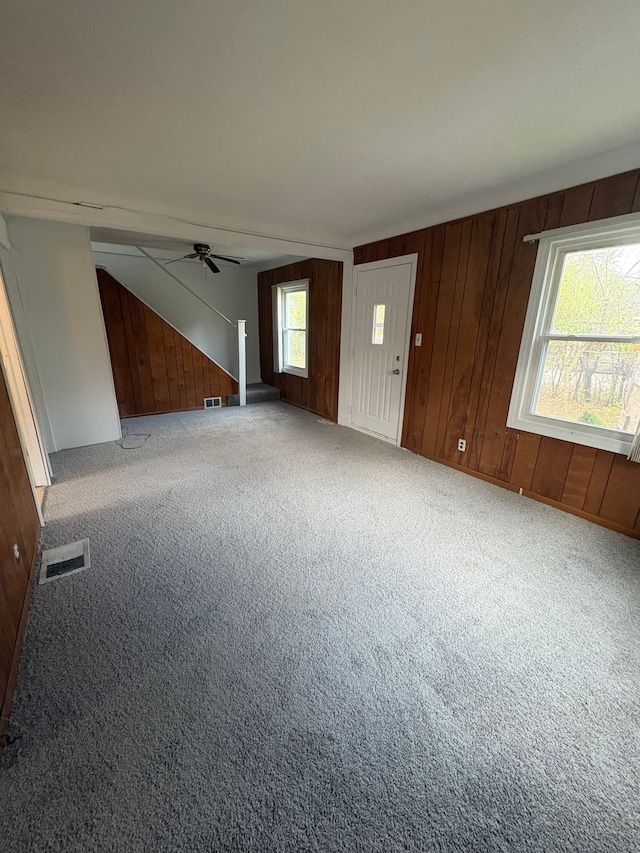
x: 294, y: 371
x: 589, y: 436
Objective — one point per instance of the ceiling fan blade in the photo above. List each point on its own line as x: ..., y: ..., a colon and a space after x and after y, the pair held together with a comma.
x: 211, y: 265
x: 192, y: 255
x: 222, y: 258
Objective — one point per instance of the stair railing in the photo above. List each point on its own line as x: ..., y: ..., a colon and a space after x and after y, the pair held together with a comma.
x: 240, y: 324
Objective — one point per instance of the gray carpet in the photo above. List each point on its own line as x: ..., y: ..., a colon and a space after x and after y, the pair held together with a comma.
x: 296, y: 638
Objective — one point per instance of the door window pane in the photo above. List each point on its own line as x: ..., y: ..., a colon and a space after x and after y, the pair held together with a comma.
x: 378, y: 324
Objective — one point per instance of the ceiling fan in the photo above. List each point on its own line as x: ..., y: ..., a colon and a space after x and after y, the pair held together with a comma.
x: 202, y: 251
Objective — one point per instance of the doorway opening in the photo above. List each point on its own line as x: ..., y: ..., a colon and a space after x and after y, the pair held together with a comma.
x: 36, y: 459
x: 382, y: 303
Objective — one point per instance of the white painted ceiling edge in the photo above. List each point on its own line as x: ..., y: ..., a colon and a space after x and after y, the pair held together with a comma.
x: 519, y: 189
x: 112, y: 225
x: 324, y: 122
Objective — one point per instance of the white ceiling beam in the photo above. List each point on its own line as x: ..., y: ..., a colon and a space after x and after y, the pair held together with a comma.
x: 159, y: 225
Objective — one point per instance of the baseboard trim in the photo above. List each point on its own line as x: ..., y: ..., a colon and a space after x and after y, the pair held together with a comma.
x: 5, y: 712
x: 595, y: 519
x: 307, y: 409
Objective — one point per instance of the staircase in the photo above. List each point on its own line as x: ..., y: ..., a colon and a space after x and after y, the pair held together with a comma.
x: 259, y: 392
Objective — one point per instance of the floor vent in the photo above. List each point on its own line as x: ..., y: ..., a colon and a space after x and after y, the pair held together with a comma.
x: 212, y: 402
x: 65, y: 560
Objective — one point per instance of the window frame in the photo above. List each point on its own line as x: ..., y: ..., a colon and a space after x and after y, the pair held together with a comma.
x: 553, y: 246
x: 279, y: 293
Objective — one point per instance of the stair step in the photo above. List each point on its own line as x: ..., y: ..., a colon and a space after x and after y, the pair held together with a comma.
x: 259, y: 392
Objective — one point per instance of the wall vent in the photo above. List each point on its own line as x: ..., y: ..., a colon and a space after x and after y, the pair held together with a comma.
x: 65, y: 560
x: 212, y: 402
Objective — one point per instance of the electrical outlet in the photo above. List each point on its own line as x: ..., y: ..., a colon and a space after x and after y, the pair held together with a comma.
x: 16, y: 551
x: 462, y: 444
x: 418, y: 339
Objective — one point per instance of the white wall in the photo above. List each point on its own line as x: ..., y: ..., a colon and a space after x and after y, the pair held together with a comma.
x: 53, y: 291
x: 233, y: 291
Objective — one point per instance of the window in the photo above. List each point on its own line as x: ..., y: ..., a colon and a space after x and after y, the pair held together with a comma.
x: 378, y: 324
x: 291, y: 312
x: 578, y: 374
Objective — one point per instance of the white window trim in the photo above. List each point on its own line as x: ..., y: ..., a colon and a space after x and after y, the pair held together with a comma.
x: 278, y: 292
x: 554, y: 244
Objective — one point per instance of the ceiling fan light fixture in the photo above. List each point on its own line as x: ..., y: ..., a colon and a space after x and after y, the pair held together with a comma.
x: 203, y: 252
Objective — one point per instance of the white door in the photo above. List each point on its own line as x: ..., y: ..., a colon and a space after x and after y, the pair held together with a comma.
x: 383, y: 294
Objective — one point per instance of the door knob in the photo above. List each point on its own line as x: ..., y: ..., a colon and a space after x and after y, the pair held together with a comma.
x: 396, y: 371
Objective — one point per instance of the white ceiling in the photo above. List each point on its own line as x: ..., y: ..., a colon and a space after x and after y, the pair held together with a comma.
x: 318, y: 120
x: 168, y: 248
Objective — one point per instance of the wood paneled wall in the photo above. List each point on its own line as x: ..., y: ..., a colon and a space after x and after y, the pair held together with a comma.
x: 19, y: 524
x: 474, y: 277
x: 155, y: 369
x: 318, y: 393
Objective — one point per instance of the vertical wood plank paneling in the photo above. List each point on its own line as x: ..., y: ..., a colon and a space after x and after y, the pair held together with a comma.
x: 621, y: 499
x: 19, y: 525
x: 412, y: 242
x: 316, y: 342
x: 444, y: 309
x: 198, y: 375
x: 8, y: 637
x: 319, y: 392
x: 155, y: 369
x: 331, y: 357
x: 226, y: 384
x: 396, y: 246
x: 578, y: 475
x: 140, y: 345
x: 14, y: 574
x: 598, y: 482
x: 381, y: 251
x: 531, y: 220
x: 552, y: 465
x: 521, y: 454
x: 419, y: 357
x: 189, y: 375
x: 115, y: 328
x: 613, y: 196
x: 157, y: 361
x: 482, y: 342
x: 138, y: 405
x: 481, y: 432
x: 172, y: 367
x: 17, y: 489
x: 215, y: 386
x: 459, y: 384
x: 576, y: 204
x: 467, y: 335
x: 453, y: 335
x: 182, y: 383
